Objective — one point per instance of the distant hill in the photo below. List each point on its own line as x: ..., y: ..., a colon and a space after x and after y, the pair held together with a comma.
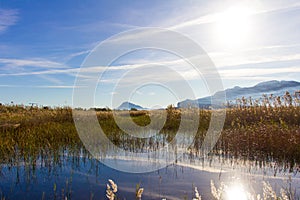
x: 269, y: 87
x: 127, y: 106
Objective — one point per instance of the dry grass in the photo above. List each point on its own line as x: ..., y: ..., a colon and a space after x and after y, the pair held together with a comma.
x: 257, y: 133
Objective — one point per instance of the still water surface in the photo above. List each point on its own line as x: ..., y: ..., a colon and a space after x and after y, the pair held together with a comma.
x: 82, y: 177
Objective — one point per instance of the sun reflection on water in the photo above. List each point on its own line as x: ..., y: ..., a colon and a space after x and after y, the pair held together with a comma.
x: 236, y: 192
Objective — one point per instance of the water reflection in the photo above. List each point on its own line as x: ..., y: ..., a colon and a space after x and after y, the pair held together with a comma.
x: 236, y: 192
x: 79, y: 176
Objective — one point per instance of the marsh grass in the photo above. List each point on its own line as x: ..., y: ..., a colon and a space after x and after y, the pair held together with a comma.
x: 261, y: 133
x: 267, y: 134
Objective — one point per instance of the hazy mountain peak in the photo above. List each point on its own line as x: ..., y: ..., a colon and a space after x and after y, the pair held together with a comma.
x: 274, y: 86
x: 128, y: 105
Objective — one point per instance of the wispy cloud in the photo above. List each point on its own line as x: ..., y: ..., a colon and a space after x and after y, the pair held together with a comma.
x: 220, y: 59
x: 230, y: 67
x: 51, y: 79
x: 42, y: 86
x: 59, y: 86
x: 200, y: 20
x: 228, y: 60
x: 98, y: 26
x: 8, y: 17
x: 85, y: 52
x: 85, y: 72
x: 36, y: 66
x: 213, y: 17
x: 10, y: 86
x: 54, y: 71
x: 35, y: 62
x: 257, y: 72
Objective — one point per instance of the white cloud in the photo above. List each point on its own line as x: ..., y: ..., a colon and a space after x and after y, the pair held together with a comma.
x: 200, y: 20
x: 51, y: 79
x: 42, y: 86
x: 58, y: 86
x: 223, y: 60
x: 224, y: 63
x: 54, y: 71
x: 8, y: 17
x: 138, y: 92
x: 78, y: 54
x: 10, y: 86
x: 257, y: 72
x: 213, y: 17
x: 35, y: 62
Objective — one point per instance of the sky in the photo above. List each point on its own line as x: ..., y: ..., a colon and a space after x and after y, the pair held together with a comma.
x: 43, y: 45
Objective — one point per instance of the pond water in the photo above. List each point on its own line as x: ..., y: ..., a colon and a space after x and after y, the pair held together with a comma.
x: 83, y: 177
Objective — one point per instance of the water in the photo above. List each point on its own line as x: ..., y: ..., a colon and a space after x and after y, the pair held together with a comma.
x: 82, y: 177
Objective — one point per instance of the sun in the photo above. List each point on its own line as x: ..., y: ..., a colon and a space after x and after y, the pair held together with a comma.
x: 234, y: 26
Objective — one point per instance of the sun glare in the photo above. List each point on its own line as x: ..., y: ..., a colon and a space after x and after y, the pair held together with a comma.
x: 233, y: 26
x: 236, y: 192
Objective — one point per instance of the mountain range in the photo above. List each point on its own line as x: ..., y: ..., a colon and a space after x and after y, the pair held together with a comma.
x: 269, y: 87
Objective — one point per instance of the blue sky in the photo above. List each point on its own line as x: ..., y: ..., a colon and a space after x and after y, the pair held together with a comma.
x: 43, y: 44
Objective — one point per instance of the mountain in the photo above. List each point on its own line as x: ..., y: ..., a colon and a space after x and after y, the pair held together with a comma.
x: 127, y: 106
x: 269, y: 87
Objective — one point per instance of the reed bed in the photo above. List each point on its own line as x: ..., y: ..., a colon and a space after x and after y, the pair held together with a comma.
x: 264, y: 133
